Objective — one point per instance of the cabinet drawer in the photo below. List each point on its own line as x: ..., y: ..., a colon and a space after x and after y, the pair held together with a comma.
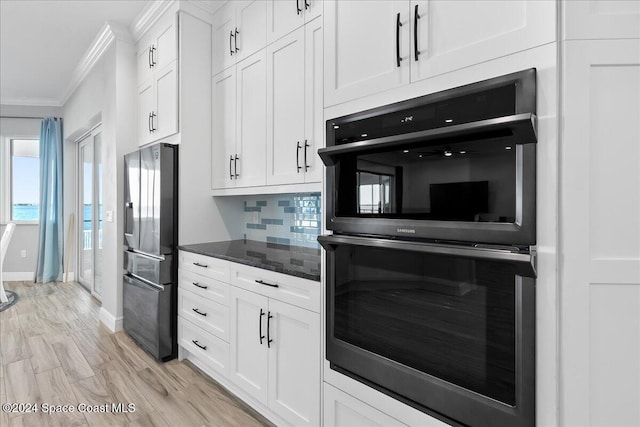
x: 207, y: 266
x: 293, y: 290
x: 204, y: 286
x: 208, y: 348
x: 209, y: 315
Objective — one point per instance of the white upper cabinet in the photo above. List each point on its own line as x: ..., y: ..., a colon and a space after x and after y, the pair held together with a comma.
x: 239, y: 124
x: 379, y: 45
x: 294, y: 113
x: 223, y: 128
x: 239, y: 30
x: 286, y: 109
x: 158, y: 81
x: 367, y: 47
x: 449, y: 35
x: 601, y: 19
x: 284, y: 16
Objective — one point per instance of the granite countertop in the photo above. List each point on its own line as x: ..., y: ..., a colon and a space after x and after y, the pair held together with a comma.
x: 292, y: 260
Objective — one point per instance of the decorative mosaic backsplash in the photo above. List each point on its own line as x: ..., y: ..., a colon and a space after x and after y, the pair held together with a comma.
x: 287, y: 219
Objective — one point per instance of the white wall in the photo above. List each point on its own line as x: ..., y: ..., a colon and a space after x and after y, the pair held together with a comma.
x: 25, y: 236
x: 107, y: 95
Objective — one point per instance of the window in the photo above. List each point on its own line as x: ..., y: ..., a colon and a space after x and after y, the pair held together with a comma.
x: 25, y: 180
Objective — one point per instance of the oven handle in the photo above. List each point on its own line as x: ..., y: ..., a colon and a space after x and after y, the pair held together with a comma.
x: 525, y: 263
x: 522, y: 128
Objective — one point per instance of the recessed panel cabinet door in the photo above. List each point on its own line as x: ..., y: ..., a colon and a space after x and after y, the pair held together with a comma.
x: 144, y: 67
x: 286, y: 109
x: 251, y: 144
x: 294, y: 364
x: 601, y: 19
x: 166, y: 119
x: 251, y: 26
x: 222, y: 33
x: 284, y: 16
x: 449, y: 35
x: 357, y: 65
x: 248, y: 342
x: 223, y: 135
x: 313, y: 110
x: 165, y: 42
x: 146, y: 103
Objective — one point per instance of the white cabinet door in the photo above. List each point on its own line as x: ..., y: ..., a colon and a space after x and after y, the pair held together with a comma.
x: 313, y: 108
x: 294, y: 364
x: 456, y: 34
x: 601, y: 19
x: 284, y: 16
x: 144, y: 67
x: 286, y: 109
x: 360, y: 54
x: 248, y: 342
x: 146, y: 103
x: 165, y: 42
x: 312, y: 9
x: 223, y: 136
x: 600, y: 233
x: 251, y: 144
x: 166, y: 118
x: 223, y: 37
x: 251, y: 26
x: 344, y: 410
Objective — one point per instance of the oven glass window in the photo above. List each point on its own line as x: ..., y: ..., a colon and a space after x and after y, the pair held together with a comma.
x: 449, y: 317
x: 466, y: 181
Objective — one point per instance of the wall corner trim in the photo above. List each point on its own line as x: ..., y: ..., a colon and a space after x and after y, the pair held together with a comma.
x: 114, y: 324
x: 148, y: 16
x: 109, y: 32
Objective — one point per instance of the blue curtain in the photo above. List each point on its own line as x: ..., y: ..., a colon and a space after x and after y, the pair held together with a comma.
x: 49, y: 266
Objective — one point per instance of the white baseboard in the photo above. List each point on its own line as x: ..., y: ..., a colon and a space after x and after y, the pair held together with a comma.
x: 13, y: 276
x: 114, y: 324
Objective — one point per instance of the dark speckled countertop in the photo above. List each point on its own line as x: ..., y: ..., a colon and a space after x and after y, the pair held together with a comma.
x: 293, y: 260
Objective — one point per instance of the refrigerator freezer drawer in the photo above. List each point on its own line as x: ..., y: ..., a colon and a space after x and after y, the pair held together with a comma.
x: 149, y: 316
x: 152, y: 269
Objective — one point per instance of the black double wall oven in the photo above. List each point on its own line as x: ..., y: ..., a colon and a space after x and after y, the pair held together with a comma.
x: 431, y: 264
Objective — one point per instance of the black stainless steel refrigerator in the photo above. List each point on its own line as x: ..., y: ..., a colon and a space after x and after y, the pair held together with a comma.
x: 150, y: 259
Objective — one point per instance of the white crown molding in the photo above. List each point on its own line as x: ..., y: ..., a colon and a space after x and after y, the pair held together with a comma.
x: 31, y: 102
x: 100, y: 44
x: 148, y: 16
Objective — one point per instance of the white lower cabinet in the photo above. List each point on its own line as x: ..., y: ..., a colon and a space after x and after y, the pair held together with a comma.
x: 258, y: 334
x: 275, y: 355
x: 343, y: 410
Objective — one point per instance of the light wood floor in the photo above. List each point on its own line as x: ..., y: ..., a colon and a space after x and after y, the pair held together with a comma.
x: 53, y: 350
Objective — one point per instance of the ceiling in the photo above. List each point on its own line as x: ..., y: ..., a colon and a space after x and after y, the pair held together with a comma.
x: 42, y: 42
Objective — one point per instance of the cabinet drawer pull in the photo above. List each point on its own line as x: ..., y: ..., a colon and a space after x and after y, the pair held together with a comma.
x: 150, y: 60
x: 230, y: 172
x: 199, y: 312
x: 262, y: 313
x: 153, y: 56
x: 235, y: 40
x: 235, y: 167
x: 298, y: 10
x: 153, y: 126
x: 267, y: 284
x: 198, y: 285
x: 204, y: 347
x: 298, y: 147
x: 200, y: 265
x: 269, y: 340
x: 231, y: 52
x: 306, y: 145
x: 149, y: 122
x: 307, y: 5
x: 398, y: 25
x: 416, y: 16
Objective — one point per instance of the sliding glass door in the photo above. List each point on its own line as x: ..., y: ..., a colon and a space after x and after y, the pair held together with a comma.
x: 90, y: 212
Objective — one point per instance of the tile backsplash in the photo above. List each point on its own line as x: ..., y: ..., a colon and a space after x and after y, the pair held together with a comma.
x: 287, y: 219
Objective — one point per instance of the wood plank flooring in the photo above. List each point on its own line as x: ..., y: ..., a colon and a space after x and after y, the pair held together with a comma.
x: 54, y: 350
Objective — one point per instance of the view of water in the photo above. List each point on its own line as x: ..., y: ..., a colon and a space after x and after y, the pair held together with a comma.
x: 22, y: 212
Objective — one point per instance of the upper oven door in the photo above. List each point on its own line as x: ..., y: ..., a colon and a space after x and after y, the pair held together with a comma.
x: 458, y: 165
x: 446, y: 327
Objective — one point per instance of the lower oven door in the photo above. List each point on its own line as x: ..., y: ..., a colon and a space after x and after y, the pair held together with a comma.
x: 149, y: 316
x: 449, y: 330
